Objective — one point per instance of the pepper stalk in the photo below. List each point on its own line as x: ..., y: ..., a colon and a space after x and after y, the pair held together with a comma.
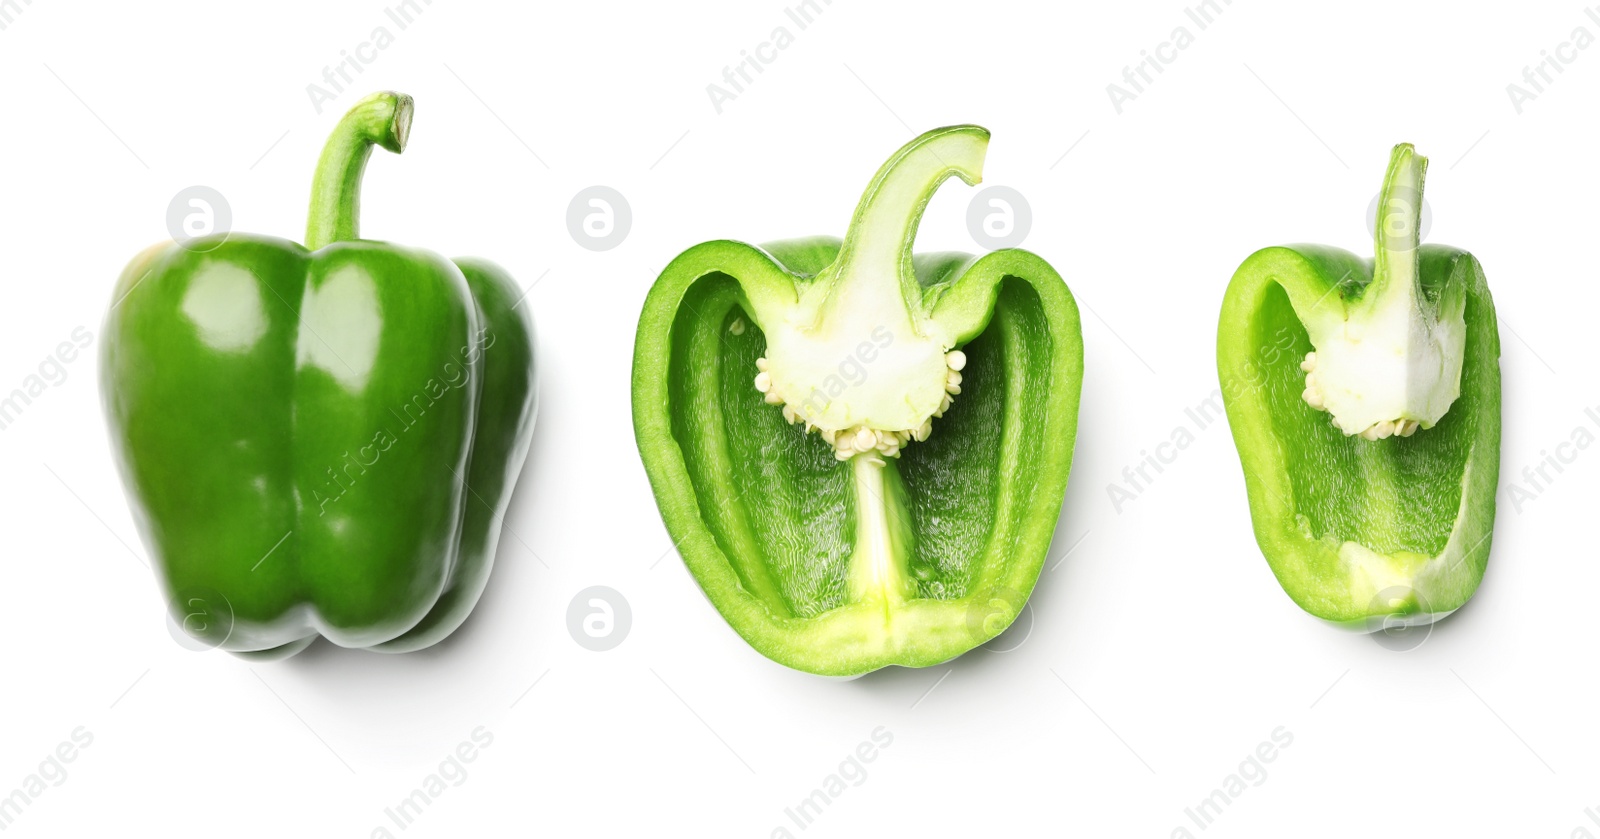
x: 869, y: 298
x: 382, y: 119
x: 1387, y: 358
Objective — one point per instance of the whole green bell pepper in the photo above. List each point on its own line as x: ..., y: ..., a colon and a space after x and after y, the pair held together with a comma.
x: 861, y: 454
x: 319, y: 439
x: 1372, y: 479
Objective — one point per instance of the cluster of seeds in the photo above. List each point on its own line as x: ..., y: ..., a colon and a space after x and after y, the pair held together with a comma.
x: 1377, y: 431
x: 860, y: 439
x: 1391, y: 428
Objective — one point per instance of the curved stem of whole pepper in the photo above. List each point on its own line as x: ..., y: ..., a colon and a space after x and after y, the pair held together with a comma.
x: 382, y: 119
x: 872, y: 276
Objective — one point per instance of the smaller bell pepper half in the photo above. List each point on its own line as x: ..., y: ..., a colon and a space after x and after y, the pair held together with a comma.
x: 1364, y: 399
x: 861, y: 452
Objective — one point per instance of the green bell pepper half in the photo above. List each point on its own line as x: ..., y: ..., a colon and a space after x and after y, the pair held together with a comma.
x: 860, y: 453
x: 1382, y: 513
x: 319, y: 440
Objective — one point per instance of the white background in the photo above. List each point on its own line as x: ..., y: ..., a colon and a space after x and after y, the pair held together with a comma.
x: 1161, y: 650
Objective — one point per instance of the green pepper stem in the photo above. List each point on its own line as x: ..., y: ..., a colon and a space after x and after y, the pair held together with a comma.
x: 1397, y: 230
x: 873, y: 271
x: 382, y: 119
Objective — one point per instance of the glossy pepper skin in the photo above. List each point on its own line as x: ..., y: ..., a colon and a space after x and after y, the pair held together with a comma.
x: 320, y: 439
x: 828, y: 558
x: 1364, y: 533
